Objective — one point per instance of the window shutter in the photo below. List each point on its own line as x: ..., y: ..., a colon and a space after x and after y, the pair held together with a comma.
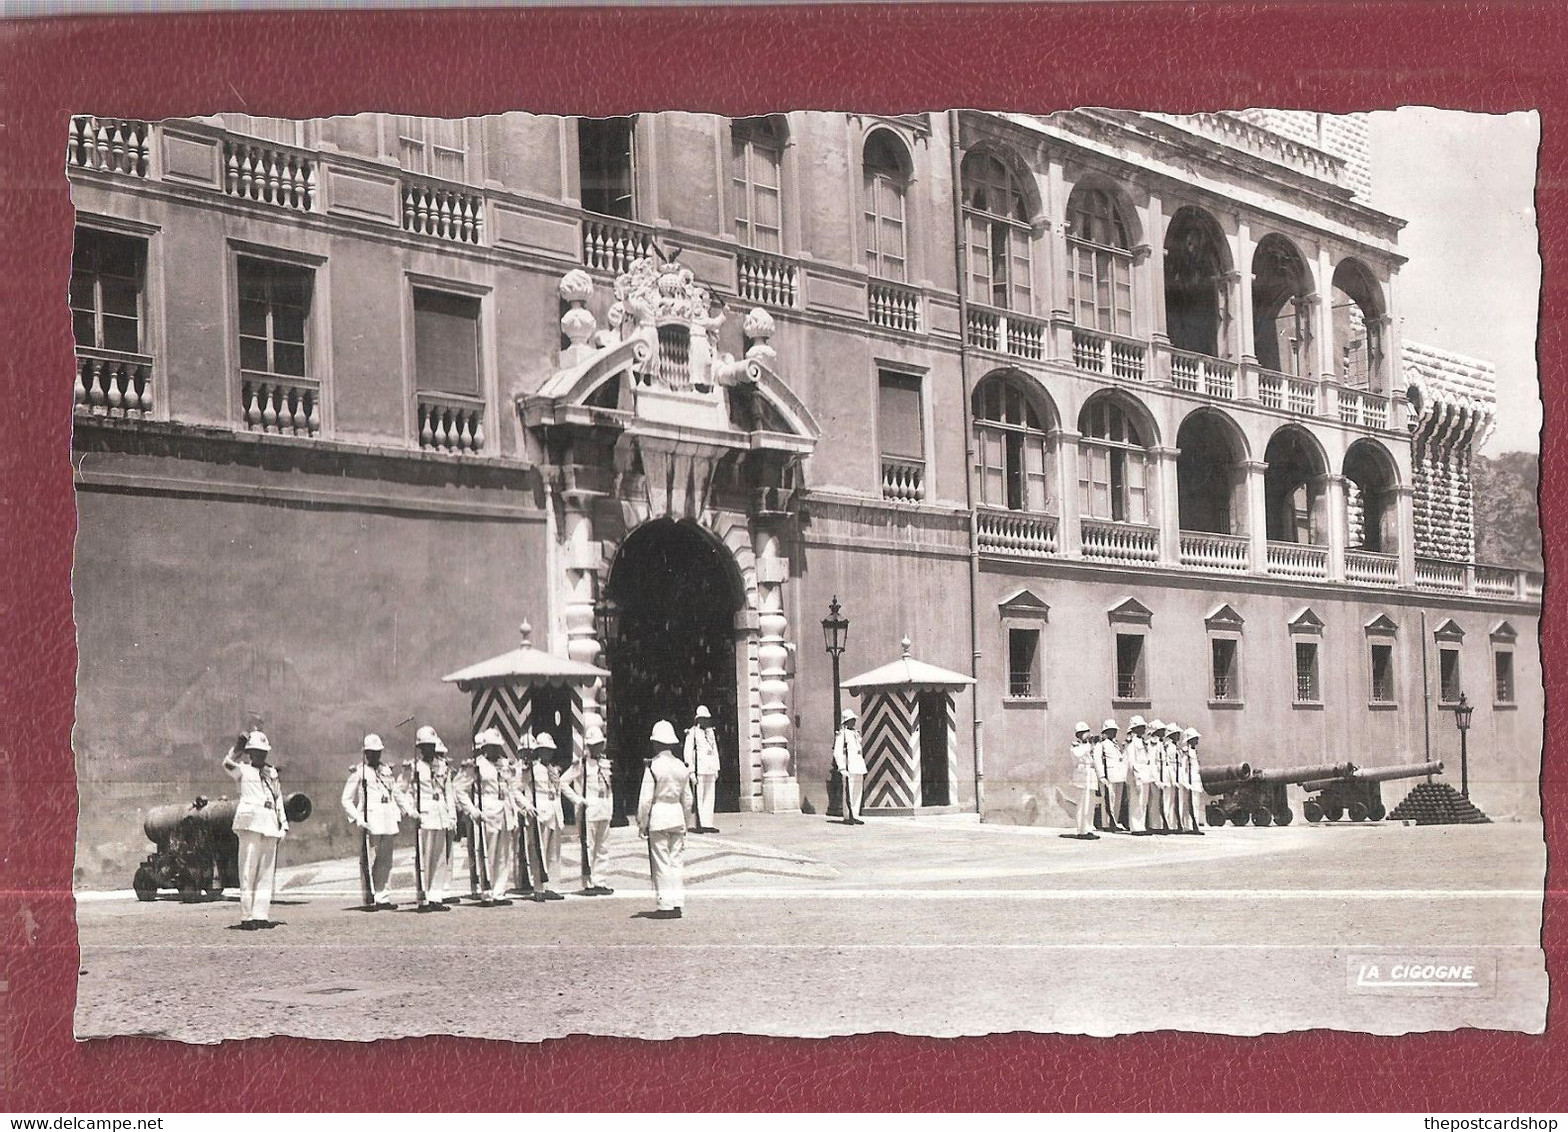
x: 990, y: 449
x: 446, y: 343
x: 1037, y: 483
x: 900, y: 421
x: 1094, y: 481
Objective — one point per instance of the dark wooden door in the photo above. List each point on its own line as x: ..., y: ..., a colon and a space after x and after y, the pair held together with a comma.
x: 935, y: 789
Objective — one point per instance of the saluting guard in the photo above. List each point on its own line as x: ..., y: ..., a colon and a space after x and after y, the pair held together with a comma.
x: 259, y: 823
x: 1140, y: 775
x: 663, y: 813
x: 587, y: 786
x: 423, y: 792
x: 850, y: 760
x: 701, y: 754
x: 539, y: 802
x: 1114, y: 763
x: 371, y: 803
x: 1087, y: 780
x: 485, y: 797
x: 1194, y: 790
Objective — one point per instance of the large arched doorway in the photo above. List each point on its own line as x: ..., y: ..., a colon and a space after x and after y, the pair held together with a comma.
x: 678, y: 593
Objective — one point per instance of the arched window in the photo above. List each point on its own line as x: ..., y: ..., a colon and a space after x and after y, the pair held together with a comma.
x: 1371, y: 501
x: 757, y: 159
x: 1197, y: 315
x: 1211, y: 492
x: 1113, y: 469
x: 1281, y: 315
x: 1012, y: 449
x: 1293, y: 488
x: 996, y: 231
x: 885, y: 165
x: 1358, y: 327
x: 1099, y: 252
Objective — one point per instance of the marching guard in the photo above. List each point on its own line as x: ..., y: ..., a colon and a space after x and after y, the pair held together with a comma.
x: 538, y: 800
x: 371, y: 803
x: 663, y: 814
x: 260, y: 824
x: 701, y: 754
x: 484, y: 795
x: 426, y: 800
x: 850, y: 760
x: 1087, y: 778
x: 1114, y: 763
x: 587, y: 786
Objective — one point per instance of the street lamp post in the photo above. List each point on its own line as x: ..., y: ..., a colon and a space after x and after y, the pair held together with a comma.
x: 607, y: 623
x: 1463, y: 710
x: 835, y: 633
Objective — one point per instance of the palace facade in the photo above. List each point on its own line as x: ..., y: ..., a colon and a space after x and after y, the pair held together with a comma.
x: 1109, y: 411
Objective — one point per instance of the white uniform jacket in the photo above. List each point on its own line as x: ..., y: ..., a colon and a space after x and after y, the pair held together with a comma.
x: 847, y: 754
x: 1114, y: 761
x: 665, y: 801
x: 493, y: 804
x: 597, y: 793
x: 702, y: 751
x: 1141, y: 766
x: 1168, y: 757
x: 260, y: 808
x: 370, y: 795
x: 1086, y: 765
x: 1194, y: 771
x: 427, y: 790
x: 540, y: 797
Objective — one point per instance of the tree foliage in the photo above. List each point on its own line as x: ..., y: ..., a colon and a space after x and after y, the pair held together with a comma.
x: 1507, y: 516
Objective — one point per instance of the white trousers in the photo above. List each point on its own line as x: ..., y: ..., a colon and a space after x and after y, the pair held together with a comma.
x: 499, y: 847
x: 706, y: 784
x: 666, y: 848
x: 1117, y: 793
x: 545, y: 879
x: 855, y: 784
x: 598, y: 846
x: 381, y: 845
x: 435, y: 859
x: 1137, y: 805
x: 258, y: 862
x: 1086, y: 795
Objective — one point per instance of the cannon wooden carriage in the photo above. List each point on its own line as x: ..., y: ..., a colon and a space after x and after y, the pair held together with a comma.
x: 195, y: 849
x: 1240, y: 794
x: 1359, y: 795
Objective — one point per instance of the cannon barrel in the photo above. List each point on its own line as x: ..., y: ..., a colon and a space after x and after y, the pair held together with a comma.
x: 1306, y: 773
x: 1389, y: 773
x: 1217, y: 776
x: 209, y: 817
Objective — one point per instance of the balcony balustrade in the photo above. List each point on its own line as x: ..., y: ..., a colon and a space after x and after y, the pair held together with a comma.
x: 1206, y: 550
x: 444, y: 211
x: 113, y: 383
x: 614, y: 245
x: 1497, y: 581
x: 451, y: 424
x: 893, y: 306
x: 1109, y: 355
x: 1281, y: 391
x: 1006, y: 332
x: 1364, y: 409
x: 269, y: 174
x: 903, y: 480
x: 1120, y: 542
x: 1199, y: 373
x: 113, y: 145
x: 1020, y: 533
x: 1445, y: 577
x: 1297, y: 560
x: 767, y: 279
x: 1369, y: 568
x: 1532, y: 584
x: 286, y: 406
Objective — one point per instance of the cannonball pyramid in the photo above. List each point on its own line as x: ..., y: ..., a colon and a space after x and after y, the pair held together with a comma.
x: 1437, y: 803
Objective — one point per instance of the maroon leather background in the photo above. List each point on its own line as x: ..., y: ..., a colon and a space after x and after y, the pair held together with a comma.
x: 1166, y: 56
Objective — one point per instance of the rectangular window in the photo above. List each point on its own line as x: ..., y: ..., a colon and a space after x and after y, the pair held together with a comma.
x: 1503, y: 676
x: 274, y: 309
x: 885, y: 251
x: 1382, y: 674
x: 436, y: 147
x: 1223, y: 667
x: 1102, y: 288
x: 108, y: 277
x: 999, y: 263
x: 605, y: 165
x: 755, y: 184
x: 1307, y: 689
x: 446, y: 342
x: 1113, y: 483
x: 900, y: 427
x: 1130, y: 683
x: 1023, y: 663
x: 1448, y: 675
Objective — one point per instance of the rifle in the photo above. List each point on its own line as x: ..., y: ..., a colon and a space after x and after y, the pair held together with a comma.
x: 582, y: 826
x: 365, y: 889
x: 419, y: 867
x: 533, y: 796
x: 473, y: 867
x: 479, y: 828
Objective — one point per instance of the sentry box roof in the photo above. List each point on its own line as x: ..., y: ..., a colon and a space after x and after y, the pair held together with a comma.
x: 524, y: 665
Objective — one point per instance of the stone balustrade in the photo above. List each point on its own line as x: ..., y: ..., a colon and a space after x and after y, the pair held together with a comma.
x: 1119, y: 542
x: 893, y: 306
x: 770, y: 280
x: 1282, y: 391
x: 1109, y: 355
x: 1445, y: 577
x: 1362, y: 408
x: 1369, y: 568
x: 112, y: 383
x: 288, y: 406
x: 614, y: 245
x: 269, y: 174
x: 1021, y: 533
x: 444, y: 211
x: 1199, y: 373
x: 451, y: 424
x: 1006, y: 332
x: 1205, y: 550
x: 1297, y: 560
x: 112, y: 145
x: 1497, y: 581
x: 903, y: 480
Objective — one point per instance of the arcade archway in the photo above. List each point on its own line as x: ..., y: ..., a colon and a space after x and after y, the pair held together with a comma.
x: 678, y: 592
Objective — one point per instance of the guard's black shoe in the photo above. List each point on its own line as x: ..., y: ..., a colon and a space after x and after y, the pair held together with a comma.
x: 601, y: 890
x: 486, y: 903
x: 538, y: 898
x: 503, y: 902
x: 247, y: 925
x: 386, y: 906
x: 453, y: 900
x: 262, y: 924
x: 550, y: 895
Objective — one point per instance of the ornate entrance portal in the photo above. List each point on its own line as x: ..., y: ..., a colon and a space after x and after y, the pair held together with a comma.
x: 678, y: 595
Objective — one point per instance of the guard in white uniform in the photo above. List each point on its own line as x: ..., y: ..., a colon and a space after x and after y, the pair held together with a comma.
x: 485, y: 796
x: 423, y: 793
x: 663, y: 813
x: 1086, y: 780
x: 702, y: 760
x: 851, y: 764
x: 1194, y: 781
x: 587, y: 786
x: 538, y: 798
x: 260, y: 824
x: 371, y: 803
x: 1141, y: 774
x: 1170, y: 820
x: 1114, y: 765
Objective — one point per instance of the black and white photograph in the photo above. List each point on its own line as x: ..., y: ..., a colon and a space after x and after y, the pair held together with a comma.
x: 820, y: 573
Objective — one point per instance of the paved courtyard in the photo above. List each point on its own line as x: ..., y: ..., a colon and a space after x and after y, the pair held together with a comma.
x: 796, y: 925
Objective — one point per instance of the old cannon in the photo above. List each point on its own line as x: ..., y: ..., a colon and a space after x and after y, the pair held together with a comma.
x: 1259, y: 796
x: 195, y: 850
x: 1358, y: 795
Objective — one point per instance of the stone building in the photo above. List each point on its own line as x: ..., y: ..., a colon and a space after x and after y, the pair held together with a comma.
x: 1109, y: 410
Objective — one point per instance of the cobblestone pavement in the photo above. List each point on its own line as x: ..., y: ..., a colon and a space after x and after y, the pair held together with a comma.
x: 796, y: 925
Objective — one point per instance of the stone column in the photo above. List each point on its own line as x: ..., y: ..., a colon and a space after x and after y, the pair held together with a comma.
x: 1326, y: 363
x: 1154, y: 271
x: 1331, y: 490
x: 1069, y: 534
x: 1257, y: 517
x: 1168, y: 514
x: 1059, y: 293
x: 780, y: 790
x: 1405, y: 533
x: 1243, y: 304
x: 580, y: 559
